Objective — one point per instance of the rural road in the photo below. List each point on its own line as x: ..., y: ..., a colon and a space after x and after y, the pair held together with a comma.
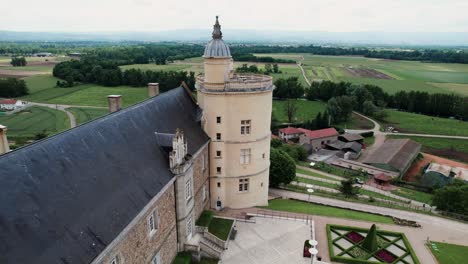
x: 63, y: 108
x: 303, y: 72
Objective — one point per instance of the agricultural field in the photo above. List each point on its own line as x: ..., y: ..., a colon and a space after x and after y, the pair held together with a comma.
x: 86, y: 114
x: 405, y: 122
x: 444, y: 147
x: 35, y: 66
x: 33, y: 120
x: 391, y: 75
x: 42, y: 90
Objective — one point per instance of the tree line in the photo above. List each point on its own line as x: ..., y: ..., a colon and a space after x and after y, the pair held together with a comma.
x: 370, y: 98
x: 108, y: 73
x: 11, y: 87
x: 18, y: 61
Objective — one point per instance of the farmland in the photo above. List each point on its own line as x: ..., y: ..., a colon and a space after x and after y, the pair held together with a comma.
x: 391, y: 75
x: 85, y: 114
x: 33, y: 120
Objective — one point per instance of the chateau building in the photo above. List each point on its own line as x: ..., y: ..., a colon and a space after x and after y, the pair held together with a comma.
x: 128, y: 187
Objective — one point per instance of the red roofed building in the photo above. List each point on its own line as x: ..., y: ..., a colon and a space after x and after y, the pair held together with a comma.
x: 318, y: 138
x: 9, y: 104
x: 289, y: 133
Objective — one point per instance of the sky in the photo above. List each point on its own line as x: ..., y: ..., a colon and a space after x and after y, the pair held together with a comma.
x: 297, y: 15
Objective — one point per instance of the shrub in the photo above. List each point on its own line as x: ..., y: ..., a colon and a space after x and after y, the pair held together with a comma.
x: 282, y: 168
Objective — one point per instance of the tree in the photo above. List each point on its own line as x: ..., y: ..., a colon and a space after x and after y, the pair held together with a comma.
x: 348, y: 189
x: 370, y: 242
x: 276, y: 68
x: 452, y: 198
x: 18, y: 61
x: 282, y: 168
x: 276, y: 143
x: 290, y: 109
x: 288, y: 88
x: 12, y: 87
x: 368, y: 108
x: 340, y: 108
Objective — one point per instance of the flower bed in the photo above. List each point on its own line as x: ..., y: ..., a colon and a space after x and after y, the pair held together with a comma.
x: 351, y: 246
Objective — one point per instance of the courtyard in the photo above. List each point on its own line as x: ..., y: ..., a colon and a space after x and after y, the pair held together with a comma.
x: 268, y: 240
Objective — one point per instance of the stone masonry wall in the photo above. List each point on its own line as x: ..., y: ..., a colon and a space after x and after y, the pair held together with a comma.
x: 201, y: 177
x: 137, y: 246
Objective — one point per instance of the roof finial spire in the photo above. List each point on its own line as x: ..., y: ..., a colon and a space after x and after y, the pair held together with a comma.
x: 217, y: 34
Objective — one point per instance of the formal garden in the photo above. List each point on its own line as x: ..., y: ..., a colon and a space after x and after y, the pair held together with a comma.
x: 368, y: 246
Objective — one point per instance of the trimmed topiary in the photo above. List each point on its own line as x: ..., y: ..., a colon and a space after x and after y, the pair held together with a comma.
x: 370, y: 242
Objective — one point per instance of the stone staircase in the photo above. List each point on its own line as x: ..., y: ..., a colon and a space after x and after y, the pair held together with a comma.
x: 210, y: 248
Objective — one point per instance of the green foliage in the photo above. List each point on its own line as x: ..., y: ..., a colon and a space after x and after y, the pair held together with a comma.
x: 276, y: 143
x: 306, y: 110
x: 288, y: 88
x: 12, y: 87
x: 18, y: 61
x: 205, y: 218
x: 282, y: 168
x: 290, y: 109
x: 370, y: 242
x: 348, y: 189
x: 41, y: 135
x: 220, y: 227
x: 452, y: 198
x: 340, y: 108
x: 183, y: 258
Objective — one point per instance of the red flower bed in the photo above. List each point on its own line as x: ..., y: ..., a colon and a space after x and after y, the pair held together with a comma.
x: 385, y: 255
x: 355, y: 237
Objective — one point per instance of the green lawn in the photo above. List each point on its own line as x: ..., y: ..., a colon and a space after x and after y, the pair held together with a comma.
x: 205, y: 218
x: 445, y: 147
x: 84, y: 114
x: 356, y: 122
x: 306, y: 111
x: 182, y: 258
x: 315, y: 209
x: 449, y: 253
x: 369, y: 141
x: 33, y: 120
x: 413, y: 195
x: 220, y: 227
x: 314, y: 174
x: 406, y: 122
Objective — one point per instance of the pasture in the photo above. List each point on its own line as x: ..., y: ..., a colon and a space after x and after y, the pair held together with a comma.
x: 85, y: 114
x: 33, y: 120
x: 405, y: 122
x: 306, y: 110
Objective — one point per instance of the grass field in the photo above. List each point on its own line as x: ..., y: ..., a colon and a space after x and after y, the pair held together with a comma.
x: 42, y: 89
x: 416, y: 123
x: 413, y: 195
x: 220, y: 227
x: 84, y: 114
x: 35, y: 119
x: 444, y: 147
x: 315, y: 209
x: 449, y: 253
x: 306, y: 111
x: 314, y: 174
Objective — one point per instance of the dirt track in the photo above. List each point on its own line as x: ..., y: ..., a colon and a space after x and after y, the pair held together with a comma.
x: 367, y: 73
x: 17, y: 73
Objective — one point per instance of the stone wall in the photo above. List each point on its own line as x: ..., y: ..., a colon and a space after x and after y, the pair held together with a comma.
x: 200, y: 178
x: 136, y: 245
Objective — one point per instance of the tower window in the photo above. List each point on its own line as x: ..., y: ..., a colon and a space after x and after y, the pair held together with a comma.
x: 245, y: 127
x: 243, y: 185
x: 218, y: 170
x: 219, y: 184
x: 263, y: 155
x: 153, y: 222
x: 218, y: 153
x: 218, y: 120
x: 218, y: 136
x: 245, y: 156
x: 188, y: 189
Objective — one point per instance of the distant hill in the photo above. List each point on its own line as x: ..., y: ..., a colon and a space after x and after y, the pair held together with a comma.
x: 233, y: 35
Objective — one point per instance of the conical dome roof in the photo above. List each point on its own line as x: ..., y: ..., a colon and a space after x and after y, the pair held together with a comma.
x: 216, y: 48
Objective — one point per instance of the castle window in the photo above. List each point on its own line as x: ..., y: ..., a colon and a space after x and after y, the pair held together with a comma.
x: 245, y: 156
x: 218, y: 153
x: 189, y: 226
x: 263, y: 155
x: 218, y: 170
x: 218, y: 120
x: 156, y: 259
x: 218, y: 136
x: 205, y: 192
x: 115, y: 260
x: 243, y: 185
x: 245, y: 127
x: 153, y: 223
x: 219, y: 185
x: 188, y: 189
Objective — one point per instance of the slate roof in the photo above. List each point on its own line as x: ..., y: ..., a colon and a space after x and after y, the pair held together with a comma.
x: 351, y: 137
x: 65, y: 198
x: 397, y: 153
x: 340, y: 145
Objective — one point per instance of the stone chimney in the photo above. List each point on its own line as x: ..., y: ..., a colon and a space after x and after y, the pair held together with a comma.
x: 4, y: 146
x: 153, y: 89
x: 115, y: 103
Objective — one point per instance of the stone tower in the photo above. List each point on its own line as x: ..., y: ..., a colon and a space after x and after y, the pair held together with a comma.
x: 237, y: 117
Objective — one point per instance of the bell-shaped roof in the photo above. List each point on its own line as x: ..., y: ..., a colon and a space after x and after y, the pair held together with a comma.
x: 216, y: 48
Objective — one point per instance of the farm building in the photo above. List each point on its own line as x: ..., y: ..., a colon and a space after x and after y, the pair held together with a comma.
x: 394, y: 155
x: 439, y: 174
x: 318, y: 138
x: 290, y: 133
x: 348, y: 137
x: 11, y: 104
